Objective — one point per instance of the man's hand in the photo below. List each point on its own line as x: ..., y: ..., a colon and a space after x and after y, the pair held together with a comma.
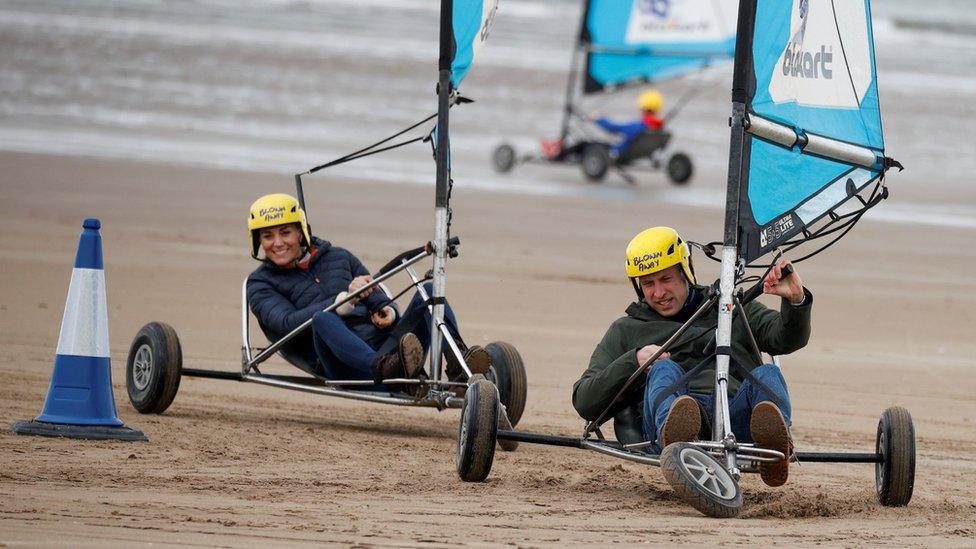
x: 383, y: 318
x: 790, y: 287
x: 358, y: 283
x: 647, y: 352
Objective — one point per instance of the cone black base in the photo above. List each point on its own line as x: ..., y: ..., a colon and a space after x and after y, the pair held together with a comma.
x: 90, y: 432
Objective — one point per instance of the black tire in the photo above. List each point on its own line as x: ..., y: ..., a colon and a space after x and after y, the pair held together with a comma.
x: 680, y: 168
x: 153, y: 370
x: 894, y: 477
x: 595, y: 161
x: 478, y: 431
x: 503, y: 158
x: 508, y: 374
x: 718, y: 495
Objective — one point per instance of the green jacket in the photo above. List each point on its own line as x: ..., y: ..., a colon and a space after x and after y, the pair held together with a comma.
x: 615, y: 357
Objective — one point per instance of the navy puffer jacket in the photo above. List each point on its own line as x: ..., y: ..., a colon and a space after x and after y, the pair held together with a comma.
x: 282, y: 299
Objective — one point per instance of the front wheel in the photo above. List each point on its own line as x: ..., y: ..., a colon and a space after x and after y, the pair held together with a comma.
x: 595, y: 162
x: 508, y: 374
x: 679, y: 168
x: 503, y: 158
x: 478, y: 431
x: 153, y: 370
x: 701, y: 481
x: 895, y: 476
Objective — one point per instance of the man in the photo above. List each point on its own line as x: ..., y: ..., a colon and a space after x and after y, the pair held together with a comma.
x: 301, y: 275
x: 660, y: 268
x: 649, y: 104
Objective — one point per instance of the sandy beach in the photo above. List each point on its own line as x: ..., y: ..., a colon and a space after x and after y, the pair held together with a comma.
x: 235, y: 464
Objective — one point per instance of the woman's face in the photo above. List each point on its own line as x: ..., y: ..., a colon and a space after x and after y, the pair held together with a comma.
x: 282, y: 243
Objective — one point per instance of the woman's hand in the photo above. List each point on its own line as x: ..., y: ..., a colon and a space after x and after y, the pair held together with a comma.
x: 647, y: 352
x: 358, y: 283
x: 789, y: 287
x: 383, y: 318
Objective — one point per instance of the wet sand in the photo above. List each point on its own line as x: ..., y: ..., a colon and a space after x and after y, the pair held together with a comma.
x: 236, y: 464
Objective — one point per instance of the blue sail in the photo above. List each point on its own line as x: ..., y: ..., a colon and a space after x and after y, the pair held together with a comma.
x: 814, y: 121
x: 472, y: 20
x: 638, y: 41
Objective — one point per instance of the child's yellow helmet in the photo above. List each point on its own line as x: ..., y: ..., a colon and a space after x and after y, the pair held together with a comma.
x: 656, y: 249
x: 272, y: 210
x: 651, y: 100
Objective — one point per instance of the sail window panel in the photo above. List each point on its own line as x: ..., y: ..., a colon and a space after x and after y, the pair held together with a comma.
x: 833, y: 195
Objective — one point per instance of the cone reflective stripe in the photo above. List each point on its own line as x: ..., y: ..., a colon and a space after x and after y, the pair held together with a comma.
x: 80, y: 402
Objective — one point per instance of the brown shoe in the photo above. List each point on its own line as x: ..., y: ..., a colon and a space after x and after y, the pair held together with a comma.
x: 769, y: 430
x: 683, y: 421
x: 405, y: 361
x: 475, y: 356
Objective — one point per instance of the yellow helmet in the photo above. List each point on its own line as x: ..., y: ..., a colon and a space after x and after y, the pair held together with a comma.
x: 656, y: 249
x: 272, y: 210
x: 651, y: 100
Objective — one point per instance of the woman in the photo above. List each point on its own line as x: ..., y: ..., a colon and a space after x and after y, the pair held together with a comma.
x: 301, y: 275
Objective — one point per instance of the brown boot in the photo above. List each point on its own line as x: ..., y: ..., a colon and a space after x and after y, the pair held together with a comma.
x: 404, y: 361
x: 769, y: 430
x: 475, y: 356
x: 683, y: 422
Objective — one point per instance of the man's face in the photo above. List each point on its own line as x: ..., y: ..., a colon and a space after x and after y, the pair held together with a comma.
x: 281, y: 244
x: 665, y: 291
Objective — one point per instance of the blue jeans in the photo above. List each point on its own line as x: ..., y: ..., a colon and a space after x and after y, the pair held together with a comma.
x: 667, y: 372
x: 345, y: 355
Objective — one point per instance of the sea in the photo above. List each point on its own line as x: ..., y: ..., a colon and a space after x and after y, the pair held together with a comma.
x: 281, y: 86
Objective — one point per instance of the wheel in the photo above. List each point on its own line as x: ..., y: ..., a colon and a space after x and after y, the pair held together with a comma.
x: 152, y: 373
x: 894, y: 477
x: 679, y: 168
x: 701, y: 481
x: 595, y: 162
x: 503, y: 158
x: 478, y: 431
x: 508, y: 374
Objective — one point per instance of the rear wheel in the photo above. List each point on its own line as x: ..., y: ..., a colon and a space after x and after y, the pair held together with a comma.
x: 503, y: 158
x: 152, y: 372
x: 679, y: 168
x: 701, y: 481
x: 895, y: 476
x: 478, y: 431
x: 508, y: 374
x: 595, y: 162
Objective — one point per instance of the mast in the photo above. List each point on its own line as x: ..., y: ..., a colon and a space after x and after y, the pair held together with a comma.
x: 442, y: 179
x: 738, y: 172
x: 573, y: 74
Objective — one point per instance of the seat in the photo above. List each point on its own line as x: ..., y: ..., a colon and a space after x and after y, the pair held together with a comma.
x: 643, y: 146
x: 628, y: 425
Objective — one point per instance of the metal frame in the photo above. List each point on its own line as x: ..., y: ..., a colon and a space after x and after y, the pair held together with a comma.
x: 439, y: 394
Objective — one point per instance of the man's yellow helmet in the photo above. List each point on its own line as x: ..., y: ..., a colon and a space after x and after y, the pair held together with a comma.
x: 651, y: 100
x: 656, y: 249
x: 272, y: 210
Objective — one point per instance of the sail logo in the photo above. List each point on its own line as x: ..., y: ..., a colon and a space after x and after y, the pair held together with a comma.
x: 825, y: 58
x: 775, y: 231
x: 679, y: 21
x: 799, y: 63
x: 489, y: 20
x: 658, y: 8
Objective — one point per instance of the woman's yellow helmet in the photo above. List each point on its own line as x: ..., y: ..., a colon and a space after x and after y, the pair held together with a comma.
x: 272, y: 210
x: 656, y: 249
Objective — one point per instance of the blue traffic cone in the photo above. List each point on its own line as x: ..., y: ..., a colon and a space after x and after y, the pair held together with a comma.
x: 80, y: 402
